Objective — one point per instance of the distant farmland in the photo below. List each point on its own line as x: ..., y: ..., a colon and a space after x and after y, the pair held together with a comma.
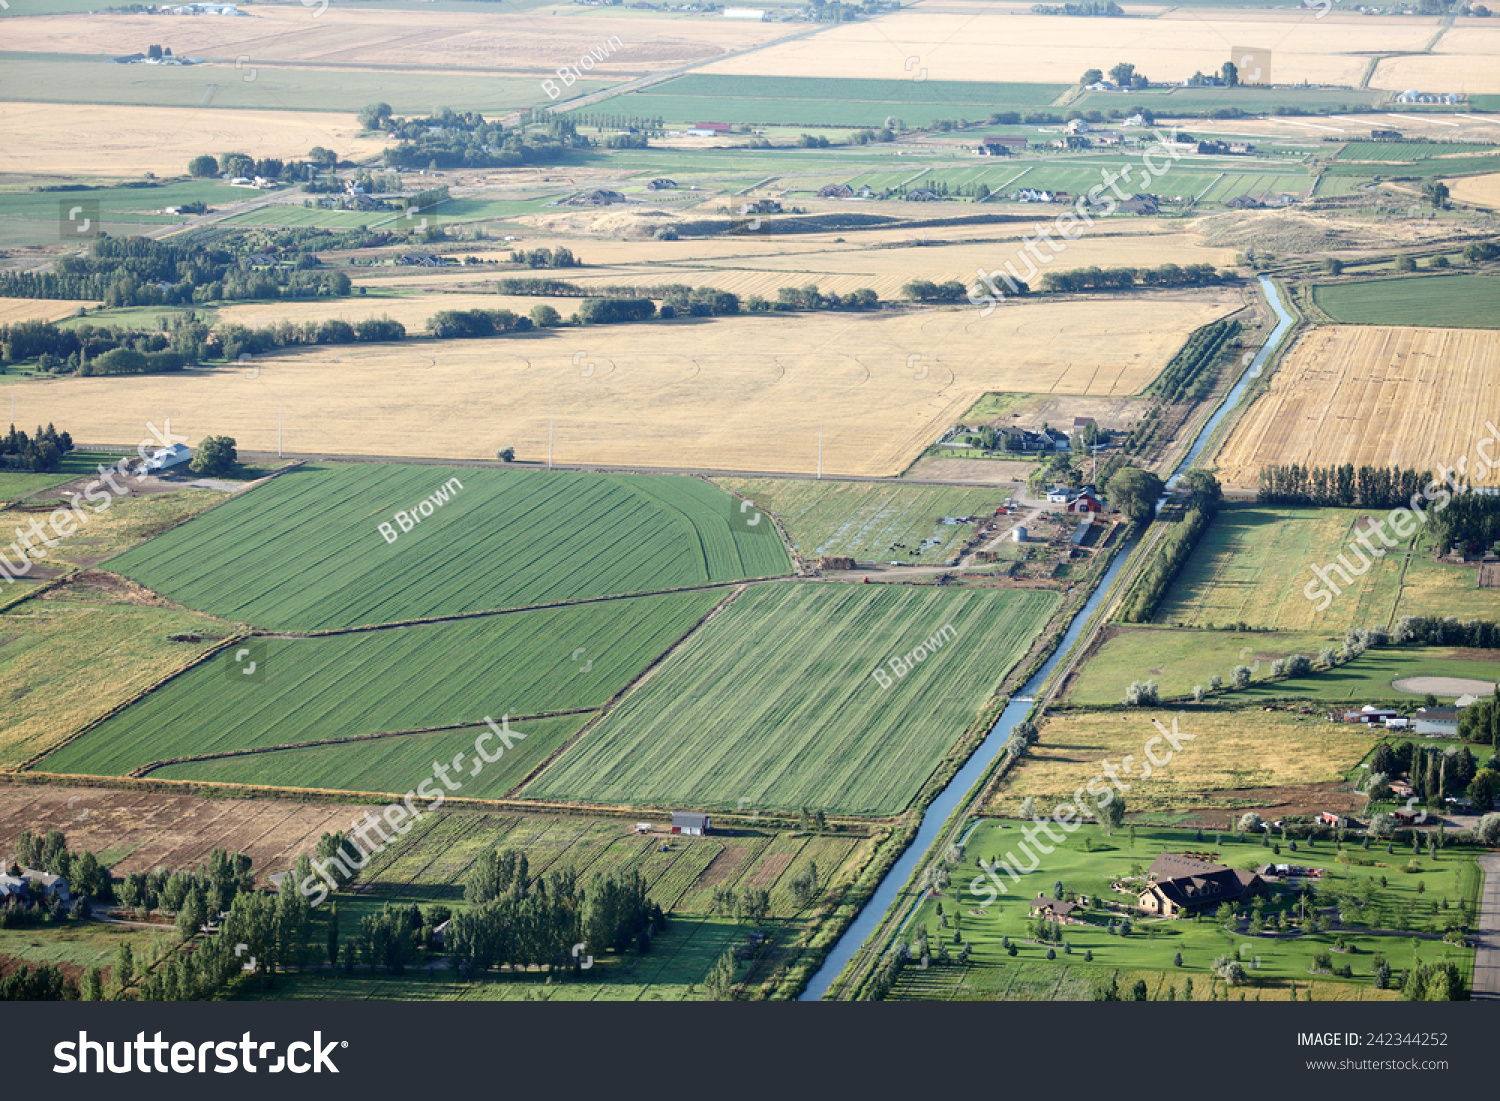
x: 773, y: 705
x: 366, y: 682
x: 820, y: 101
x: 1456, y: 301
x: 304, y: 552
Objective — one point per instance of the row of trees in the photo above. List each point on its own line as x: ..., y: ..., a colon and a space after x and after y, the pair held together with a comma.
x: 1190, y: 374
x: 1176, y: 547
x: 1107, y: 279
x: 1365, y: 486
x: 1470, y: 522
x: 545, y: 258
x: 50, y: 853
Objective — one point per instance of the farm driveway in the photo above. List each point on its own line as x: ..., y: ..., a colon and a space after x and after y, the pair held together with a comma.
x: 1487, y: 960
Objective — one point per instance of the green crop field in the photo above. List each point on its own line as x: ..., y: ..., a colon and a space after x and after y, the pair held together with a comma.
x: 865, y: 520
x: 394, y: 765
x: 827, y: 101
x: 1247, y: 97
x: 773, y: 704
x: 1408, y: 151
x: 1179, y: 659
x: 1408, y: 900
x: 1454, y: 301
x: 304, y: 552
x: 408, y: 678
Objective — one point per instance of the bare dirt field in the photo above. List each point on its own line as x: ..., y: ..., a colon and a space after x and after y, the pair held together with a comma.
x: 1384, y: 395
x: 1465, y: 59
x: 496, y: 42
x: 140, y: 831
x: 747, y: 393
x: 51, y: 138
x: 1444, y: 686
x: 38, y: 309
x: 1012, y: 46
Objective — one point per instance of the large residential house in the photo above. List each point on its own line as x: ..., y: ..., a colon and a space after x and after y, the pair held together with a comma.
x: 1182, y: 884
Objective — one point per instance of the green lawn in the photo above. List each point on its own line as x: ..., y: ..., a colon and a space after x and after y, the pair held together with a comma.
x: 985, y: 915
x: 1455, y: 301
x: 366, y: 682
x: 1179, y: 659
x: 304, y: 552
x: 865, y: 520
x: 773, y: 704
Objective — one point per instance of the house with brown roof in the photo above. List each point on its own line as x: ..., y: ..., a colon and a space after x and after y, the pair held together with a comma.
x: 1053, y: 908
x: 1180, y: 884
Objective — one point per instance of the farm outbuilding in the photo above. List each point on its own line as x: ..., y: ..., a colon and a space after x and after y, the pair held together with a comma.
x: 689, y: 822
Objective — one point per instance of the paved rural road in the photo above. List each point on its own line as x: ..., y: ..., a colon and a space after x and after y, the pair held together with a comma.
x: 1487, y: 960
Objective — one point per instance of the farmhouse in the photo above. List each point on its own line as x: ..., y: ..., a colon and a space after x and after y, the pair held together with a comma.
x: 1385, y: 135
x: 662, y: 184
x: 999, y: 147
x: 1032, y: 195
x: 690, y: 823
x: 836, y: 191
x: 1140, y: 204
x: 1086, y: 501
x: 1060, y: 495
x: 13, y: 885
x: 598, y: 197
x: 1181, y: 884
x: 921, y: 195
x: 1070, y: 141
x: 1051, y: 907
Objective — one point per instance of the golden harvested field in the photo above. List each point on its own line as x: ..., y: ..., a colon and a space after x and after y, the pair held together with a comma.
x: 39, y: 309
x: 495, y: 42
x: 1466, y: 59
x: 1479, y: 190
x: 52, y: 138
x: 1005, y: 45
x: 742, y: 393
x: 1379, y: 394
x: 412, y: 311
x: 1228, y: 751
x: 763, y: 267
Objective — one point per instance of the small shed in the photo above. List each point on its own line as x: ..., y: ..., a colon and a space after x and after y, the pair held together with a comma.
x: 690, y: 823
x: 168, y: 457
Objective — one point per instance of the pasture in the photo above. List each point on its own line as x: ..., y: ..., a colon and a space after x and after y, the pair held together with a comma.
x: 1253, y: 564
x: 306, y: 552
x: 1377, y: 394
x: 1223, y: 753
x: 70, y: 654
x: 748, y: 393
x: 823, y: 101
x: 1179, y: 659
x: 1089, y: 862
x: 432, y: 861
x: 1453, y: 301
x: 773, y: 704
x: 866, y: 520
x: 339, y: 686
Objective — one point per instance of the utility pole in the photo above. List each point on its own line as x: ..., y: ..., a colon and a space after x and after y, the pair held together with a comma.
x: 278, y: 431
x: 820, y: 452
x: 549, y: 443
